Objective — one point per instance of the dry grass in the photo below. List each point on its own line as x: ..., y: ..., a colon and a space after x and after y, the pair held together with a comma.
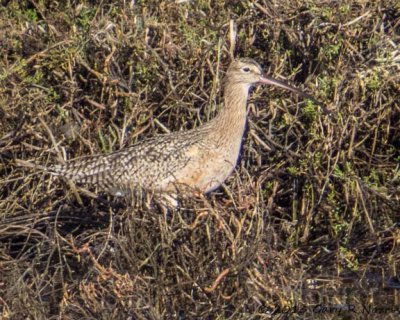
x: 310, y: 217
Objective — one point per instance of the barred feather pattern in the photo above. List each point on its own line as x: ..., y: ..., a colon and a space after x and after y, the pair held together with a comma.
x: 199, y: 159
x: 150, y: 164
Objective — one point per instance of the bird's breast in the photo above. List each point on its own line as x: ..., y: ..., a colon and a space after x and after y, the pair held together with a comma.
x: 207, y: 168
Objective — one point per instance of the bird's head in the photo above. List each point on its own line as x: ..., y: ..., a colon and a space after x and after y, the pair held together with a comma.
x: 248, y: 72
x: 244, y: 71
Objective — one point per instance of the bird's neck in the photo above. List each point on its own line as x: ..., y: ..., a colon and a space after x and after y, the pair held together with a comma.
x: 231, y: 120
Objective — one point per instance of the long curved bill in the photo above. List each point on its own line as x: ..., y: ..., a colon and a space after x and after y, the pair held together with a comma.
x: 283, y: 85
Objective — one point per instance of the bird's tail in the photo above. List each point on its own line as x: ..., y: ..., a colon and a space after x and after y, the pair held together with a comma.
x: 27, y: 164
x: 91, y: 169
x: 57, y: 170
x: 65, y: 170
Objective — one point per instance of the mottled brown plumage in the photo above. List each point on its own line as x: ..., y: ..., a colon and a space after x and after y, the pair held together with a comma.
x: 199, y: 159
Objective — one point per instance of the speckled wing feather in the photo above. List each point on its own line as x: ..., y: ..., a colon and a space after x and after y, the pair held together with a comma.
x: 200, y: 159
x: 149, y: 164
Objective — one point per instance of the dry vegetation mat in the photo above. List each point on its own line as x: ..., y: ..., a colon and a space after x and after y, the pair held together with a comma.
x: 306, y: 227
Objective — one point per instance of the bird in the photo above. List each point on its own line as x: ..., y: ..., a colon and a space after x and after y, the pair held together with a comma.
x: 200, y: 159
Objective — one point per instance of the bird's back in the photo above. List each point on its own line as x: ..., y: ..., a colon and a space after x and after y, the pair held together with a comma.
x: 156, y: 163
x: 200, y: 159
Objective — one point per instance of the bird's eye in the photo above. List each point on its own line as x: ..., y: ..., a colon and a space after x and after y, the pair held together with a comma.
x: 246, y: 69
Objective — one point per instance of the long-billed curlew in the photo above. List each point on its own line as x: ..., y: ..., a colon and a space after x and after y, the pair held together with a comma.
x: 199, y: 159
